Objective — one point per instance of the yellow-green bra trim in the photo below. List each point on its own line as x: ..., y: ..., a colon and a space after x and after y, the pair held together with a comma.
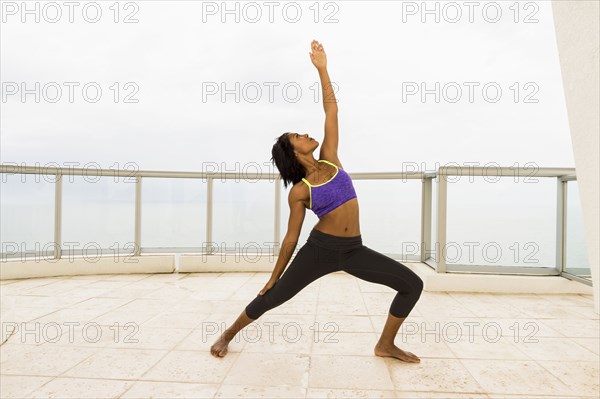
x: 322, y: 184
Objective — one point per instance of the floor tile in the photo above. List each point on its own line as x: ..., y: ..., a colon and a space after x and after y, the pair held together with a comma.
x: 483, y: 347
x: 116, y: 363
x: 349, y: 372
x: 441, y: 395
x: 43, y: 360
x: 18, y: 386
x: 81, y: 388
x: 317, y: 393
x: 249, y: 391
x: 582, y: 377
x: 431, y: 374
x: 169, y: 390
x: 344, y: 343
x: 191, y: 366
x: 343, y: 323
x: 269, y: 370
x: 525, y: 377
x: 547, y: 348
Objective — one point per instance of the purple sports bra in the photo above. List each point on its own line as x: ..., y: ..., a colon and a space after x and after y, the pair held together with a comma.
x: 327, y: 196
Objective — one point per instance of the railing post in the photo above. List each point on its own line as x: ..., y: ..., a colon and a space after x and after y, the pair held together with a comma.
x: 209, y: 214
x: 442, y: 200
x: 425, y: 218
x: 58, y: 216
x: 561, y: 224
x: 277, y: 216
x: 137, y: 240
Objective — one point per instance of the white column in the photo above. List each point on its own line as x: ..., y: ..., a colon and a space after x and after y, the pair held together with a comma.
x: 576, y: 26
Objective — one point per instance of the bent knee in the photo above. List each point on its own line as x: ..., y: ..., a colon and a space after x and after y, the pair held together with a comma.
x: 416, y: 286
x: 419, y: 284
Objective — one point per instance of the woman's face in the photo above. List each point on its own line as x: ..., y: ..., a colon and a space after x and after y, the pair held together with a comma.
x: 303, y: 143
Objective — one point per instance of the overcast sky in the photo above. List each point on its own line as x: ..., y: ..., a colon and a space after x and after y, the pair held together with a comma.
x: 378, y: 53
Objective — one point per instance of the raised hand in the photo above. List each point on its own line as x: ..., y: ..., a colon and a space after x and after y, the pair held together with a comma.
x: 318, y: 56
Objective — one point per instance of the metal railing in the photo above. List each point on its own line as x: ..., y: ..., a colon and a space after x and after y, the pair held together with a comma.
x: 562, y: 175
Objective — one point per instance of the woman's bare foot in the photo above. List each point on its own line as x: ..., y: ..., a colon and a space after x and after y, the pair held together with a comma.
x: 394, y: 351
x: 219, y: 348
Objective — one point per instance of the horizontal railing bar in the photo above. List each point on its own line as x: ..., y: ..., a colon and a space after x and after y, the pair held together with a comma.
x: 568, y: 178
x: 506, y: 171
x: 386, y: 175
x: 577, y: 278
x: 495, y: 269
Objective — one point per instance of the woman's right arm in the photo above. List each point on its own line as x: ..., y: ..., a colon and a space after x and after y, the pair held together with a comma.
x: 288, y: 245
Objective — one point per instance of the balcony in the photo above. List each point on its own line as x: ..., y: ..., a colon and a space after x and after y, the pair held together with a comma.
x: 137, y: 318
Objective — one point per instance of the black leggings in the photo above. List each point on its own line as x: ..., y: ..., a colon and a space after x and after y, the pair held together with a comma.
x: 325, y: 253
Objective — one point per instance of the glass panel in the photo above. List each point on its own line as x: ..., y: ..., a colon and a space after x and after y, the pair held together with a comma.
x: 243, y: 215
x: 501, y: 222
x: 173, y: 213
x: 390, y: 216
x: 27, y: 209
x: 389, y: 223
x: 577, y: 259
x: 98, y: 214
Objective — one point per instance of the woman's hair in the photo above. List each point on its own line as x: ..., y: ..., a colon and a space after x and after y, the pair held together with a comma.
x: 283, y: 157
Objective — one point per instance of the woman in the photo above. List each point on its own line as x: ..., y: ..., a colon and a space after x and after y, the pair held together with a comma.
x: 335, y: 242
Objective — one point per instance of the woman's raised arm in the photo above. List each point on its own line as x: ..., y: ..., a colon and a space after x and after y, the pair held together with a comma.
x: 329, y: 148
x: 319, y: 60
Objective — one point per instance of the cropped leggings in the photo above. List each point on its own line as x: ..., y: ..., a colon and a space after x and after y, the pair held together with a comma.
x: 325, y: 253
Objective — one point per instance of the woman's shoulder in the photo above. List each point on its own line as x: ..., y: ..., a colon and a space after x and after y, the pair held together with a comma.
x: 300, y: 192
x: 333, y: 161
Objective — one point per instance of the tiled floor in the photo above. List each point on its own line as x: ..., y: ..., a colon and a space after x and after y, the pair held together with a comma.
x: 141, y: 336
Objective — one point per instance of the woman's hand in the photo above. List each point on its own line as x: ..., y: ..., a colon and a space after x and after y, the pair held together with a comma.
x: 318, y: 56
x: 267, y: 286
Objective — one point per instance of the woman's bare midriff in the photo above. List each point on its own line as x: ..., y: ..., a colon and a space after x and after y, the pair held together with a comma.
x: 342, y: 221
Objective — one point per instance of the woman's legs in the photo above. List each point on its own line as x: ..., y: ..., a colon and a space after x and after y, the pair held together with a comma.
x: 375, y: 267
x: 309, y: 264
x: 323, y: 254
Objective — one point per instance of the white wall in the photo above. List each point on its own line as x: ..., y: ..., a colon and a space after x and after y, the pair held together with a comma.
x: 576, y: 24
